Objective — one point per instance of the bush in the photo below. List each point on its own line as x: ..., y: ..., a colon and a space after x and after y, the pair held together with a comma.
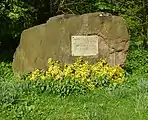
x: 137, y: 62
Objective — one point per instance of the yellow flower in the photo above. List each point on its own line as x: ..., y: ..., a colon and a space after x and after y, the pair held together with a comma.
x: 82, y: 71
x: 43, y: 77
x: 32, y: 77
x: 58, y: 77
x: 91, y: 86
x: 49, y: 60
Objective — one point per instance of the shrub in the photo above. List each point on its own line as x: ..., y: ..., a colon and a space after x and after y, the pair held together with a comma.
x: 137, y: 61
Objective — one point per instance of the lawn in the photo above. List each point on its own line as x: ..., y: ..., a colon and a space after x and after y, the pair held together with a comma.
x: 130, y: 101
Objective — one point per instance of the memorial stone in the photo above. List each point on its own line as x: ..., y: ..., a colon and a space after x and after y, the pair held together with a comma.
x: 66, y: 37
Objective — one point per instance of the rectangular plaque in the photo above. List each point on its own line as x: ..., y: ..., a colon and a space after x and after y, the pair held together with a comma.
x: 84, y: 45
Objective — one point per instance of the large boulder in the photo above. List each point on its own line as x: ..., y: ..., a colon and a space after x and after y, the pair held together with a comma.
x: 66, y: 37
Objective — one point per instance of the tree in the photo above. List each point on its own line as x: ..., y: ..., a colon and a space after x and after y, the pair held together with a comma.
x: 15, y: 16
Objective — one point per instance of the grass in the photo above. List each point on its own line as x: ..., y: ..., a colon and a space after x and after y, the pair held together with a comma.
x: 130, y: 101
x: 119, y: 104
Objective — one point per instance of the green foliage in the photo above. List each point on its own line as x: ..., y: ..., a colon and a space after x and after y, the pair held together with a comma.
x: 137, y: 62
x: 8, y: 93
x: 5, y: 70
x: 14, y: 17
x: 65, y: 88
x: 77, y: 6
x: 136, y: 20
x: 108, y: 6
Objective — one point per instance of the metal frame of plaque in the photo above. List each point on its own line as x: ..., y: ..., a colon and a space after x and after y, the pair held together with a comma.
x: 84, y: 45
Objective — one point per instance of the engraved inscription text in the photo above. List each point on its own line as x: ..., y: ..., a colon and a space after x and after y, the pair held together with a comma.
x: 84, y: 45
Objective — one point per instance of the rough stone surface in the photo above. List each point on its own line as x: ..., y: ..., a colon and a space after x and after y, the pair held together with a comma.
x: 53, y: 40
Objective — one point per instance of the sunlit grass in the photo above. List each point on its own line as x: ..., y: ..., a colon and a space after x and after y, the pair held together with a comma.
x: 19, y: 100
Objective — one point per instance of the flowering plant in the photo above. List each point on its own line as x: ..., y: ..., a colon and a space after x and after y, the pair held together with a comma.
x: 81, y: 72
